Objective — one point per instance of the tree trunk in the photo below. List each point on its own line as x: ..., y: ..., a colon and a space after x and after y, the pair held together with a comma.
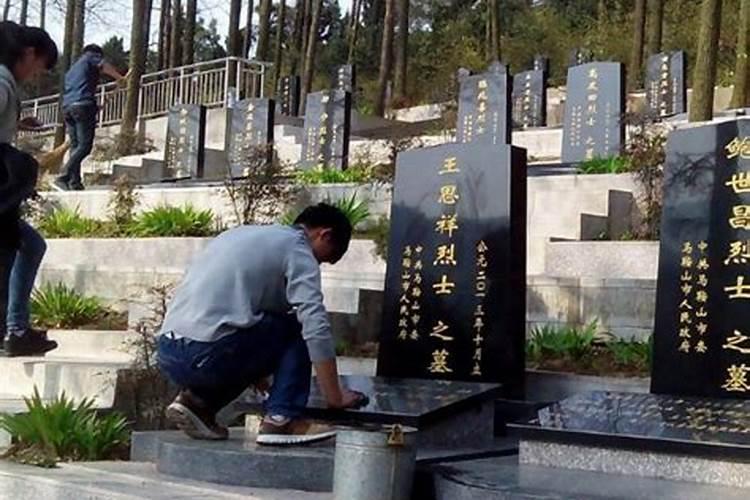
x: 354, y: 30
x: 248, y: 38
x: 264, y: 28
x: 655, y: 25
x: 6, y: 10
x: 277, y: 58
x: 375, y: 17
x: 704, y: 74
x: 138, y: 52
x: 401, y: 51
x: 636, y: 51
x: 65, y: 61
x: 23, y: 17
x: 494, y: 15
x: 312, y: 40
x: 386, y: 53
x: 42, y: 14
x: 297, y: 43
x: 741, y: 93
x: 188, y: 40
x: 306, y: 29
x: 164, y: 35
x: 175, y: 45
x: 233, y: 43
x: 79, y: 28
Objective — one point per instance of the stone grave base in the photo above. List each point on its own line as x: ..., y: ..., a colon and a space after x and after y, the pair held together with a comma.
x: 503, y: 478
x: 240, y: 462
x: 699, y: 440
x: 636, y: 463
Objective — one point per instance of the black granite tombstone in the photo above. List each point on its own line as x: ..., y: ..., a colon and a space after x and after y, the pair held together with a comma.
x: 454, y: 297
x: 666, y: 84
x: 289, y: 95
x: 249, y: 133
x: 484, y: 106
x: 530, y: 99
x: 325, y: 142
x: 702, y: 330
x: 345, y: 78
x: 185, y: 144
x: 580, y: 56
x: 541, y: 63
x: 595, y: 104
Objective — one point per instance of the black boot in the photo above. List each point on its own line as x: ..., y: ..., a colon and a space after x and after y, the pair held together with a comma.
x: 32, y: 343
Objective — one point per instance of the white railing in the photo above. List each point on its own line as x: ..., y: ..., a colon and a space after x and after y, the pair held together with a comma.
x: 206, y: 83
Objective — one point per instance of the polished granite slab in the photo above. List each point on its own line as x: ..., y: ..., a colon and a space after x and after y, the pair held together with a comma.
x: 413, y: 402
x: 698, y: 426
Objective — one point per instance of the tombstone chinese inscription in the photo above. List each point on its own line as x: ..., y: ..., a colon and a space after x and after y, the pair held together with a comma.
x: 289, y: 95
x: 580, y: 56
x: 327, y: 124
x: 530, y: 99
x: 345, y: 78
x: 666, y: 92
x: 702, y: 342
x: 593, y: 126
x: 454, y: 306
x: 484, y: 106
x: 185, y: 143
x: 541, y: 63
x: 249, y: 135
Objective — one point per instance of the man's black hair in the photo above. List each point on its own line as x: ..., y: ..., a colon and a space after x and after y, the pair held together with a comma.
x: 15, y: 38
x: 42, y: 44
x: 92, y: 47
x: 327, y: 216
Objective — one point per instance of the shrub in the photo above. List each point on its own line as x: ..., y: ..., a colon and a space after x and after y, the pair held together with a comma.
x: 167, y: 221
x: 57, y: 306
x: 632, y: 353
x: 63, y: 430
x: 323, y: 175
x: 611, y: 165
x: 565, y: 341
x: 69, y: 223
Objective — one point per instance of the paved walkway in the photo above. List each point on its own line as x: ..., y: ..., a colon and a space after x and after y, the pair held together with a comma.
x: 122, y: 481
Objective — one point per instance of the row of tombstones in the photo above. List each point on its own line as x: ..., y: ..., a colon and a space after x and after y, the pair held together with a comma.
x: 490, y: 104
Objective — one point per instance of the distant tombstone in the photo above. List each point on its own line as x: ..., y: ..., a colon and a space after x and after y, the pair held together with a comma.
x: 595, y: 103
x: 345, y: 78
x: 289, y: 95
x: 530, y: 99
x: 666, y: 84
x: 454, y: 296
x: 185, y: 144
x: 580, y: 56
x: 484, y: 106
x: 541, y: 63
x: 327, y: 124
x: 702, y: 330
x: 249, y: 134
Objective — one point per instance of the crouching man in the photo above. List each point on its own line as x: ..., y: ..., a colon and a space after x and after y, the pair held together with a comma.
x: 251, y: 306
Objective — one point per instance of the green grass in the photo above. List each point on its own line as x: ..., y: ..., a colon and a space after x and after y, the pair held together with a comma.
x: 62, y: 430
x: 58, y: 306
x: 611, y: 165
x: 169, y: 221
x: 322, y: 175
x: 69, y: 223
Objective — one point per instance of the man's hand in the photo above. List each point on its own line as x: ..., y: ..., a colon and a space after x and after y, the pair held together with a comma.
x: 352, y: 399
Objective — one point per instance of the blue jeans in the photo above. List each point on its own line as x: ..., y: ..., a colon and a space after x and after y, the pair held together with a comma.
x: 80, y: 121
x: 218, y: 372
x: 18, y: 269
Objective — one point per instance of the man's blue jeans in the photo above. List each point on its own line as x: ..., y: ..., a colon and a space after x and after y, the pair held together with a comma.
x: 218, y: 372
x: 80, y: 121
x: 18, y: 269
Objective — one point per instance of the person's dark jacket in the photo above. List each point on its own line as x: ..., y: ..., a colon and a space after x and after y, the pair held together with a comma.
x: 18, y: 177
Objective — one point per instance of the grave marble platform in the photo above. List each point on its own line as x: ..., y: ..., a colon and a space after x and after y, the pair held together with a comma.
x: 447, y: 414
x: 648, y: 435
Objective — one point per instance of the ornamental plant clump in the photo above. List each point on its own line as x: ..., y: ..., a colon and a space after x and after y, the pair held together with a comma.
x: 169, y: 221
x: 58, y: 306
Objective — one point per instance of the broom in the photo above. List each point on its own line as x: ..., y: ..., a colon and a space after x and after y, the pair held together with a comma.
x: 51, y: 161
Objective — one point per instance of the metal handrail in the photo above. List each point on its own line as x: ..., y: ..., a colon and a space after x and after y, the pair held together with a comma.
x: 206, y: 83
